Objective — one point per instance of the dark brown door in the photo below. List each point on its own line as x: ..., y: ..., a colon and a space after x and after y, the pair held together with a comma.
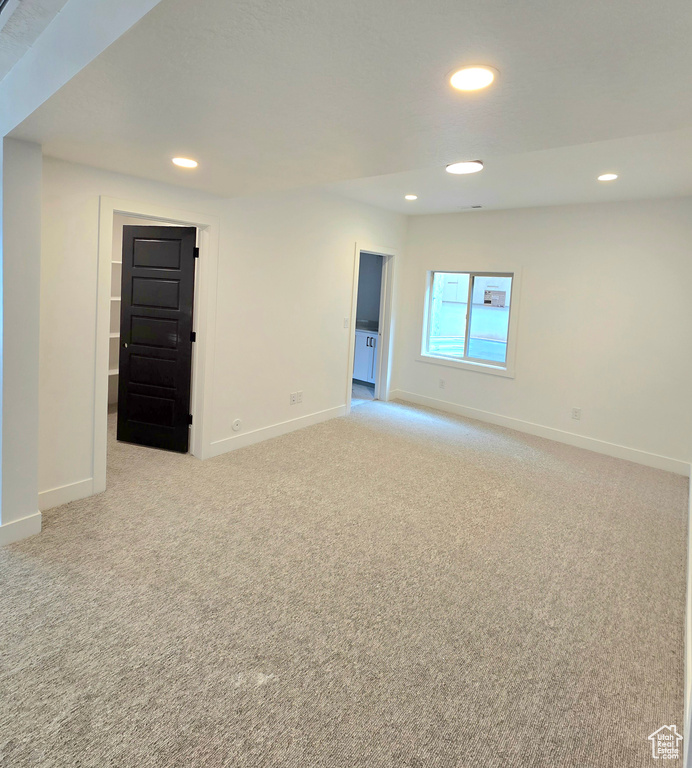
x: 156, y: 336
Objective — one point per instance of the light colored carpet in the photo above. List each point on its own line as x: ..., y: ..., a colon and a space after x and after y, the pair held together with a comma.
x: 396, y: 588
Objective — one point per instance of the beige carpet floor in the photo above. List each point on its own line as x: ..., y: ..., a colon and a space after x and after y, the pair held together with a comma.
x: 397, y: 588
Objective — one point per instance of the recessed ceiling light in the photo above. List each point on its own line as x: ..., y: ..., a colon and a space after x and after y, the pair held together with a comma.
x: 472, y: 78
x: 608, y: 177
x: 467, y: 166
x: 410, y: 197
x: 185, y: 162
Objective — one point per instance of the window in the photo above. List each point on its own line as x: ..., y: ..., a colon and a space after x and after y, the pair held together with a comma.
x: 467, y: 318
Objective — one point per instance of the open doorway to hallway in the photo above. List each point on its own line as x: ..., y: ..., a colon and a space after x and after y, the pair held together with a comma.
x: 368, y: 311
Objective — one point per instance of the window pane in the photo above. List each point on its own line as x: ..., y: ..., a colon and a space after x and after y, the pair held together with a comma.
x: 490, y: 318
x: 448, y: 304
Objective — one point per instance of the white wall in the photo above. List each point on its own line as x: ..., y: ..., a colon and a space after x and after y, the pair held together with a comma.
x: 282, y: 301
x: 284, y: 286
x: 604, y: 321
x: 20, y: 249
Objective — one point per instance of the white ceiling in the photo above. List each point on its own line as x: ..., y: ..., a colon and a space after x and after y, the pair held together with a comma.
x: 657, y: 165
x: 21, y: 22
x: 269, y: 96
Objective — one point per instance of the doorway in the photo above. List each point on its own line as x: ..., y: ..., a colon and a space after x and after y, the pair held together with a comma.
x: 151, y: 336
x: 365, y: 362
x: 113, y: 214
x: 368, y: 372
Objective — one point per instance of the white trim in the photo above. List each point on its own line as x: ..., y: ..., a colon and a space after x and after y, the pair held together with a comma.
x: 559, y: 435
x: 275, y: 430
x: 385, y: 336
x: 466, y: 365
x: 204, y: 320
x: 385, y: 343
x: 352, y: 328
x: 64, y: 494
x: 20, y: 529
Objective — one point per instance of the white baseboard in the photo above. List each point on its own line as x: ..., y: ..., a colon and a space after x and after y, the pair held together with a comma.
x: 559, y: 435
x: 265, y: 433
x: 20, y: 529
x: 55, y: 497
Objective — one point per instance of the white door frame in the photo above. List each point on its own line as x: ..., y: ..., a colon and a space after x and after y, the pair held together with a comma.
x: 385, y: 336
x: 204, y: 321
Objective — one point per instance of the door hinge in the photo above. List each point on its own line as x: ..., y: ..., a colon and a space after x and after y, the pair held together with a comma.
x: 189, y: 418
x: 196, y: 253
x: 193, y: 336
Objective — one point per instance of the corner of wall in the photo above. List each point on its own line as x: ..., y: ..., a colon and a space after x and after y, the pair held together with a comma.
x: 228, y: 444
x: 20, y: 529
x: 64, y: 494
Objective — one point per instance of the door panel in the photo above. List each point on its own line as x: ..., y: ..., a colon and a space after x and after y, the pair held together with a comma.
x: 153, y: 332
x: 153, y: 292
x: 157, y: 254
x: 155, y: 336
x: 361, y: 357
x: 145, y: 370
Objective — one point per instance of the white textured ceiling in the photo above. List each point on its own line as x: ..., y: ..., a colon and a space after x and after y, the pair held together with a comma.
x: 21, y: 22
x: 272, y: 95
x: 658, y: 165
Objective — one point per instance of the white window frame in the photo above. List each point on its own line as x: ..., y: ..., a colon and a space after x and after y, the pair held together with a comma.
x: 470, y: 364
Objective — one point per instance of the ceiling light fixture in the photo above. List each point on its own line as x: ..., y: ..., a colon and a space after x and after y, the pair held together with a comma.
x: 466, y: 166
x: 184, y: 162
x: 472, y: 78
x: 608, y: 177
x: 410, y: 197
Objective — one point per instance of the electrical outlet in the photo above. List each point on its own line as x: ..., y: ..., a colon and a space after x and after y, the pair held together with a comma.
x: 236, y: 425
x: 442, y: 383
x: 576, y: 413
x: 294, y: 398
x: 299, y: 396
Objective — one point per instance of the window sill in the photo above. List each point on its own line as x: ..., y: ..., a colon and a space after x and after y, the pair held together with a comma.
x: 468, y: 365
